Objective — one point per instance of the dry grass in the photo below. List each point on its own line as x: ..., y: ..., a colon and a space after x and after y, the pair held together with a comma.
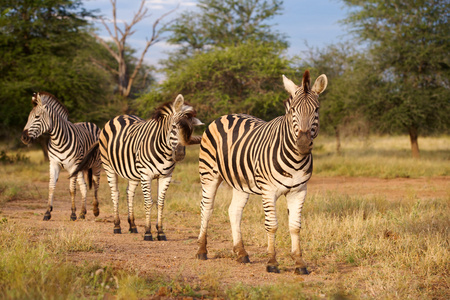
x: 357, y: 246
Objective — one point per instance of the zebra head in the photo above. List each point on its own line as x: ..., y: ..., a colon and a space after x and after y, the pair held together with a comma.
x: 183, y: 122
x: 303, y: 106
x: 39, y: 121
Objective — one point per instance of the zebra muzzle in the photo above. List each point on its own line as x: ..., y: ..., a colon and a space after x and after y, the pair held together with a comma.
x: 179, y: 153
x: 304, y: 142
x: 25, y: 138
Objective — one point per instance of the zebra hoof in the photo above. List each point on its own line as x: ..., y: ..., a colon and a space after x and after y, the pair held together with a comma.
x: 73, y: 217
x: 96, y: 212
x: 301, y: 271
x: 148, y: 237
x: 82, y: 216
x: 133, y: 230
x: 243, y: 259
x: 162, y: 237
x: 117, y: 231
x: 47, y: 217
x: 272, y: 269
x: 202, y: 256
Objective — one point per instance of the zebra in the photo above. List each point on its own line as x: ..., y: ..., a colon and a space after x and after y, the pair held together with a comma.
x: 140, y: 151
x: 66, y: 147
x: 263, y: 158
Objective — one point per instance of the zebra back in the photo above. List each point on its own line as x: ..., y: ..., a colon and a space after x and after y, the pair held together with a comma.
x: 253, y: 155
x: 129, y: 144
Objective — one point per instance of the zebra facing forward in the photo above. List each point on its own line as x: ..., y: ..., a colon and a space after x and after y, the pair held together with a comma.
x: 66, y: 148
x: 141, y: 151
x: 264, y: 158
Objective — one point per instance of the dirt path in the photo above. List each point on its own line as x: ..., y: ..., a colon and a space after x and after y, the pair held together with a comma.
x: 175, y: 258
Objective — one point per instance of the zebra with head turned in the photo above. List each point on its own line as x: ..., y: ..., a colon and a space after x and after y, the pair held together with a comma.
x: 140, y: 151
x: 66, y: 148
x: 264, y: 158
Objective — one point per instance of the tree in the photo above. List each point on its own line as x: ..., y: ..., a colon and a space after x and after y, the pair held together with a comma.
x: 223, y: 23
x: 238, y: 79
x: 409, y: 41
x: 118, y: 51
x: 350, y: 81
x: 45, y: 46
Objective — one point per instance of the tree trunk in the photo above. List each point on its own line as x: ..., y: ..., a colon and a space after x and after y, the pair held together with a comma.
x: 414, y: 142
x: 338, y: 140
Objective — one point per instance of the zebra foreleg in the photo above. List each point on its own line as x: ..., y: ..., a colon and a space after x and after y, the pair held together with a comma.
x: 163, y: 185
x: 235, y: 212
x: 112, y: 181
x: 83, y: 190
x: 295, y: 204
x: 271, y: 225
x: 146, y: 184
x: 73, y: 189
x: 54, y: 175
x: 132, y: 185
x: 209, y: 189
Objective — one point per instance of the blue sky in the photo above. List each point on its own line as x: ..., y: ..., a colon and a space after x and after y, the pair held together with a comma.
x: 314, y: 22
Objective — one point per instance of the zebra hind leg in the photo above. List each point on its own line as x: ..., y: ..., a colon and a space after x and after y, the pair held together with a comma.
x: 96, y: 180
x: 235, y: 212
x: 209, y: 189
x: 83, y: 190
x: 131, y: 188
x: 73, y: 183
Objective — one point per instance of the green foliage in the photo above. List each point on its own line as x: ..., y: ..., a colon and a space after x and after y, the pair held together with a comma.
x: 45, y: 46
x: 408, y: 41
x: 224, y: 23
x: 238, y: 79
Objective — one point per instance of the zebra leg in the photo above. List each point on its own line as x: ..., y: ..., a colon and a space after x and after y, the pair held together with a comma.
x: 73, y: 191
x: 235, y: 212
x: 163, y: 185
x: 112, y: 181
x: 295, y: 202
x: 132, y: 185
x: 96, y: 180
x: 55, y: 168
x: 146, y: 184
x: 271, y: 225
x: 83, y: 190
x: 209, y: 189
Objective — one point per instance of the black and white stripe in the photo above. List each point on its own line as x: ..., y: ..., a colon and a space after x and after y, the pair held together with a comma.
x: 264, y: 158
x: 141, y: 151
x: 67, y: 146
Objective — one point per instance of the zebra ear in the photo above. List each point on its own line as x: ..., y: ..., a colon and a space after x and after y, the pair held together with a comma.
x: 196, y: 122
x: 289, y: 85
x: 178, y: 103
x: 320, y: 84
x: 36, y: 99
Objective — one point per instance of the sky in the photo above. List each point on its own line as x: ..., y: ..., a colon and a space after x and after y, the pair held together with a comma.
x: 315, y: 22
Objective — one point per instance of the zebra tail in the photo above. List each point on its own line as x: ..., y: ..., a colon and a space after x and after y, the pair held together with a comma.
x: 90, y: 178
x: 85, y: 162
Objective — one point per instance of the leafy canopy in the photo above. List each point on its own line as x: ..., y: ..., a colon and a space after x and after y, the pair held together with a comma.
x: 45, y: 46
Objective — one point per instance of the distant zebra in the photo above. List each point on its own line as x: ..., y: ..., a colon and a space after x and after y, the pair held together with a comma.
x: 141, y: 151
x: 264, y: 158
x: 66, y: 148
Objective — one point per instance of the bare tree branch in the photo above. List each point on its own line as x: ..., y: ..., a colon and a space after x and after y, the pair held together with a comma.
x: 119, y: 36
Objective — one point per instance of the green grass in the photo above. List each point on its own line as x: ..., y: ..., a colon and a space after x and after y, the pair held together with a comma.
x: 357, y: 246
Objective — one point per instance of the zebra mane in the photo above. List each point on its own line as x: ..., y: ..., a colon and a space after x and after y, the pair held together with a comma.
x: 166, y: 109
x: 52, y: 102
